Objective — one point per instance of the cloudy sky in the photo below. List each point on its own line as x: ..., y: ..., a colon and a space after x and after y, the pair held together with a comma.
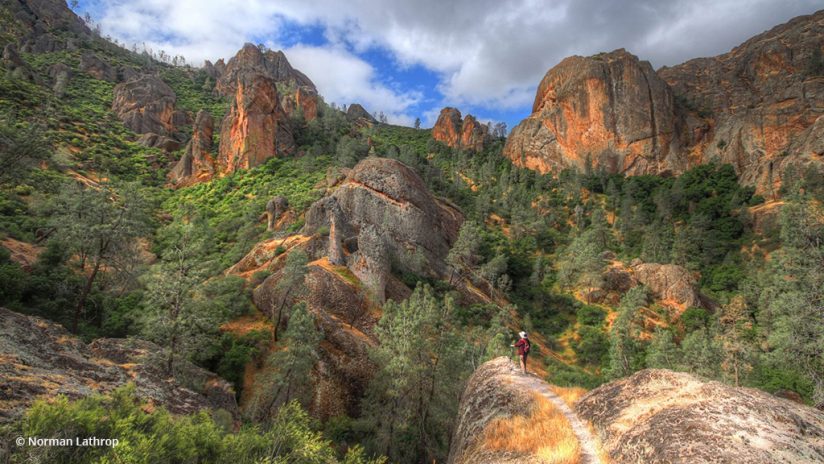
x: 410, y: 58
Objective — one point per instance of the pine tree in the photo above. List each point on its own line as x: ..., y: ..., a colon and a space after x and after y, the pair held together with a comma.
x: 290, y: 368
x: 624, y: 355
x: 662, y: 352
x: 737, y: 348
x: 290, y: 287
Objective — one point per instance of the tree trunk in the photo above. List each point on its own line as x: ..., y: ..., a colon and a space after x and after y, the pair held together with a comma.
x: 84, y: 295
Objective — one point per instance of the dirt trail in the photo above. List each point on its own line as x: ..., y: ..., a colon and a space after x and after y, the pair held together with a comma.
x: 589, y: 452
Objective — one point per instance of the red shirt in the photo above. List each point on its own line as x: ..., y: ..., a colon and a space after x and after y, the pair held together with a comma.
x: 521, y: 344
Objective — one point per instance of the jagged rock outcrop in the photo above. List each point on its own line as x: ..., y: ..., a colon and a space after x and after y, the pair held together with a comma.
x: 256, y: 127
x: 197, y: 163
x: 457, y: 132
x: 381, y: 213
x: 275, y: 208
x: 250, y: 62
x: 146, y: 105
x: 39, y: 358
x: 303, y: 100
x: 39, y: 16
x: 757, y: 107
x: 386, y: 198
x: 358, y: 115
x: 97, y: 68
x: 663, y: 416
x: 611, y: 111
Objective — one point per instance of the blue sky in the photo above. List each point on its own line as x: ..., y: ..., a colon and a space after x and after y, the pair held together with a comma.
x: 409, y: 59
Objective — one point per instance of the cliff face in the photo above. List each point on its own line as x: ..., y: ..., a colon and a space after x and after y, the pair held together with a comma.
x: 756, y: 107
x: 610, y: 110
x: 663, y: 416
x: 41, y: 359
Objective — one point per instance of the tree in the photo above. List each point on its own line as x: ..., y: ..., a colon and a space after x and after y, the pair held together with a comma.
x: 623, y: 348
x: 465, y: 253
x: 22, y: 147
x: 581, y: 263
x: 290, y: 286
x: 737, y: 349
x: 174, y: 317
x: 290, y: 368
x: 98, y: 224
x: 701, y: 353
x: 792, y: 301
x: 662, y: 352
x: 417, y: 123
x: 422, y: 364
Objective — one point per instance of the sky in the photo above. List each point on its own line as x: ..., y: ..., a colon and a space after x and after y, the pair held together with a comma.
x: 408, y: 59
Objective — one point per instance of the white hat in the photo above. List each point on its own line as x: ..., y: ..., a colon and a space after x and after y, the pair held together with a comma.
x: 522, y: 334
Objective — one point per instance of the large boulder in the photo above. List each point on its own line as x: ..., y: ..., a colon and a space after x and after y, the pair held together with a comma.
x: 457, y: 132
x: 146, y: 105
x: 197, y: 163
x: 663, y: 416
x: 671, y: 284
x: 609, y: 111
x: 40, y: 359
x: 60, y: 75
x: 15, y: 65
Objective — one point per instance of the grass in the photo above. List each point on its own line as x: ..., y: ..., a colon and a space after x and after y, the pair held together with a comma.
x: 546, y: 433
x: 570, y: 395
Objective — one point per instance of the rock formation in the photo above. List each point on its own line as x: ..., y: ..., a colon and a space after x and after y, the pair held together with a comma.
x: 256, y: 128
x: 418, y: 229
x: 197, y: 163
x: 97, y: 68
x: 60, y: 75
x: 146, y: 105
x: 15, y: 65
x: 609, y: 110
x: 275, y: 208
x: 452, y: 130
x: 380, y: 214
x: 358, y: 115
x: 489, y: 394
x: 41, y: 359
x: 302, y: 99
x: 250, y: 61
x: 755, y: 107
x: 671, y: 284
x: 663, y: 416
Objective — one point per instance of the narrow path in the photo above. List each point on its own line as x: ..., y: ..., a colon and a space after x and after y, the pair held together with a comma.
x: 589, y: 453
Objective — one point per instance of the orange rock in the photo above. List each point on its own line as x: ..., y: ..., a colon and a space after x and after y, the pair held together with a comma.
x: 455, y: 132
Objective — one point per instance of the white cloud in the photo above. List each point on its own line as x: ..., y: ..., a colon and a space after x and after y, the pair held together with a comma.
x: 344, y: 78
x: 487, y: 53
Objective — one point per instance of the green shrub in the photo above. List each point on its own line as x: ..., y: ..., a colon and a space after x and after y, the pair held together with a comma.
x: 592, y: 346
x: 591, y: 316
x: 694, y: 318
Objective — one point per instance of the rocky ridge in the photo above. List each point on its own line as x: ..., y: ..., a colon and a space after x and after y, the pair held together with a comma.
x: 40, y: 358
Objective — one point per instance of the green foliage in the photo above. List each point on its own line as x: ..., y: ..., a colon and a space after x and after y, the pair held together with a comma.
x: 422, y: 364
x: 591, y: 316
x: 158, y: 437
x: 695, y: 318
x: 625, y: 354
x: 593, y: 345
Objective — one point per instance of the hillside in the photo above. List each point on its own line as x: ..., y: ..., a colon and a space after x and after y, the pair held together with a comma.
x: 218, y: 252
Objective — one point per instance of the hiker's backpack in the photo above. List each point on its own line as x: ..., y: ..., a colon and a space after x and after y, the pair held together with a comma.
x: 526, y: 346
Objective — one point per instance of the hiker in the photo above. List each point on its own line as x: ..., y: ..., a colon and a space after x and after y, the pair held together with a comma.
x: 523, y: 346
